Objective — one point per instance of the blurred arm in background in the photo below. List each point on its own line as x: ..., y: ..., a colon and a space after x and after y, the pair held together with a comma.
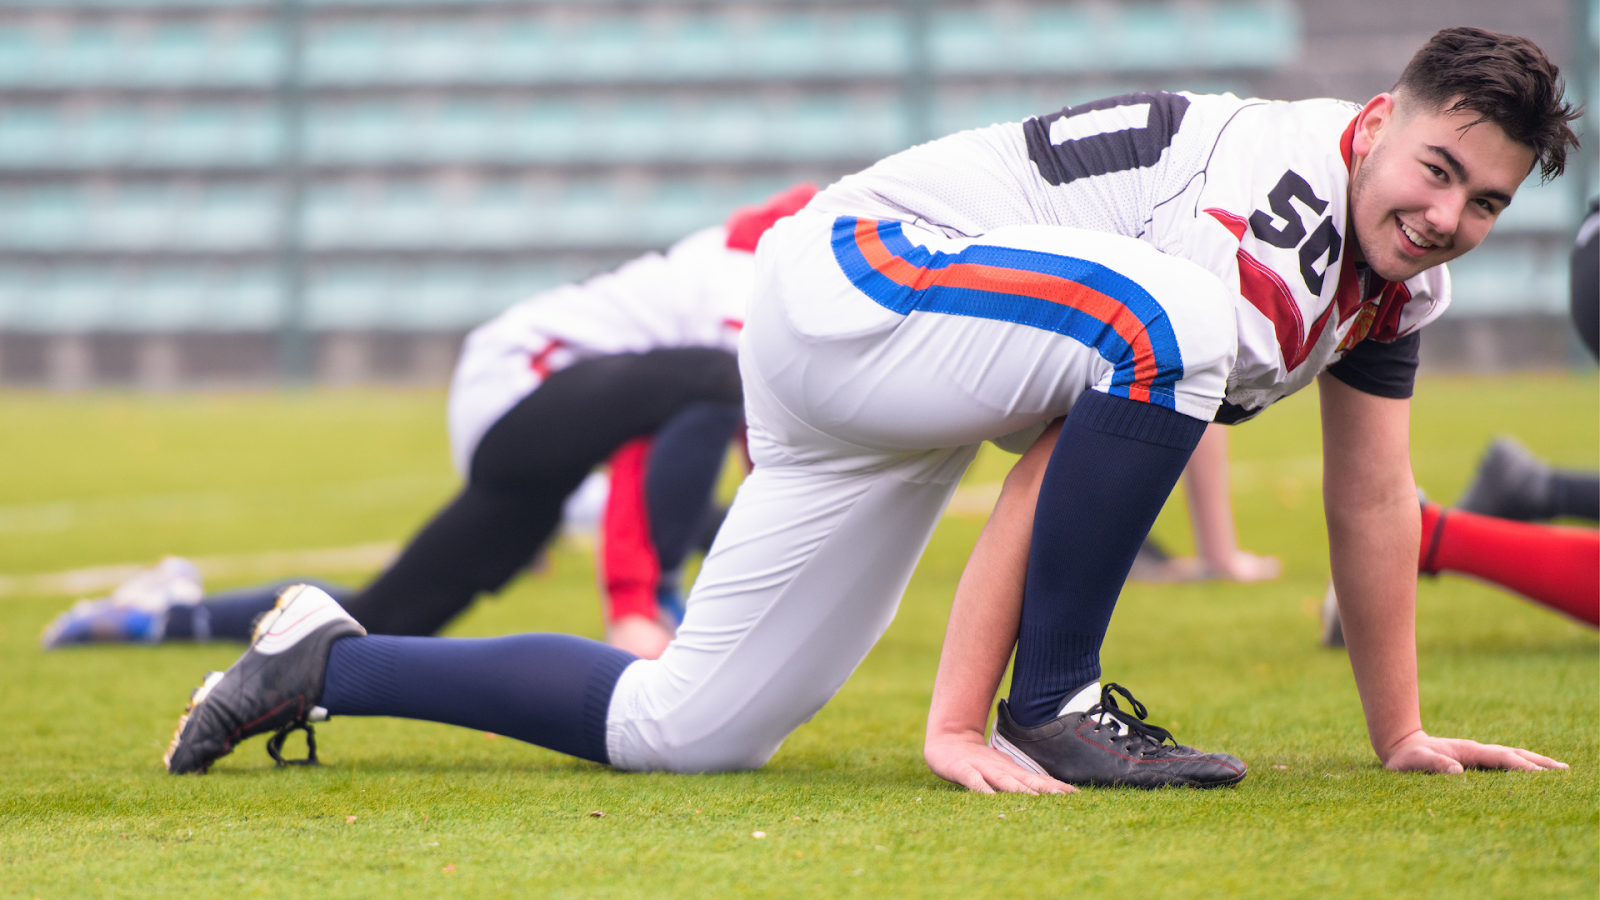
x: 1217, y: 556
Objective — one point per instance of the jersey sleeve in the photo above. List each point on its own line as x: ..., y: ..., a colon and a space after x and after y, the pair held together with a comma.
x: 1381, y: 368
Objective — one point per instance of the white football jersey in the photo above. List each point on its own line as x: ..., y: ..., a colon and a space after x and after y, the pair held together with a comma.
x: 694, y: 295
x: 1254, y: 191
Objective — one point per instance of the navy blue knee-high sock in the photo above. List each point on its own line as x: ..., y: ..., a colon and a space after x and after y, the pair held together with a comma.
x: 229, y: 615
x: 547, y: 689
x: 1112, y: 469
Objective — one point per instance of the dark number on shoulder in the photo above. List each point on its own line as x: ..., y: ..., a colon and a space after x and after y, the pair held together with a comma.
x: 1116, y: 134
x: 1324, y: 239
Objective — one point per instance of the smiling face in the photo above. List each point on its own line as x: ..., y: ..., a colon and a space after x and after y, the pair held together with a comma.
x: 1424, y: 188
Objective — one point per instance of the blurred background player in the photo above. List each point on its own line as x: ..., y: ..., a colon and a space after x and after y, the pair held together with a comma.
x: 1490, y: 535
x: 635, y: 365
x: 1512, y: 483
x: 1206, y: 485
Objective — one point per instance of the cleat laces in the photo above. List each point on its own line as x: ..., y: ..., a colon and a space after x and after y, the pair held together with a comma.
x: 1139, y: 737
x: 275, y: 745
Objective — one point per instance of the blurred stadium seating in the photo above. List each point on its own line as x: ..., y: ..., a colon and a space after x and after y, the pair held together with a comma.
x: 168, y: 170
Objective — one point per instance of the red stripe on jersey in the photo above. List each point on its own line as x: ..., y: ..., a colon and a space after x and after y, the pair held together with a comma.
x: 1383, y: 322
x: 1347, y: 295
x: 1386, y: 326
x: 1233, y: 223
x: 735, y: 324
x: 1267, y: 293
x: 630, y: 569
x: 1347, y: 141
x: 994, y: 279
x: 540, y: 362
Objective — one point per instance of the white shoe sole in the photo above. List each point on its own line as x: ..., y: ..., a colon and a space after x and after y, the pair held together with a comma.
x: 1004, y: 746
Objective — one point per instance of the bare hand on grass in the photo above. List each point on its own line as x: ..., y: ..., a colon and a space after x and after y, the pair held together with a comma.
x: 1242, y: 567
x: 967, y: 760
x: 1421, y: 752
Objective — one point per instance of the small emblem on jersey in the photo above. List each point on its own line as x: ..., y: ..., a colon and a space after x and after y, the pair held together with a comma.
x: 1360, y: 327
x: 1324, y: 240
x: 1104, y: 136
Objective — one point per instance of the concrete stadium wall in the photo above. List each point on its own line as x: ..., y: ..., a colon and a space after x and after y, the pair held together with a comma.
x: 101, y: 295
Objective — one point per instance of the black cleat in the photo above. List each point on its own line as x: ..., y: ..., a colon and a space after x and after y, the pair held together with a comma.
x: 1106, y: 746
x: 1511, y: 483
x: 274, y: 686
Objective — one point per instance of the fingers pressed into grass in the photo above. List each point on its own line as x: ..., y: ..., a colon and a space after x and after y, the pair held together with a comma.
x: 1542, y: 761
x: 1044, y: 784
x: 1519, y: 759
x: 1051, y: 786
x: 1451, y: 756
x: 1496, y: 756
x: 1010, y: 783
x: 970, y: 778
x: 1007, y: 777
x: 1005, y: 784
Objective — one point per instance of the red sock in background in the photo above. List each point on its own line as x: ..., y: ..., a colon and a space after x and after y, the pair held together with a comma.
x: 629, y: 569
x: 1553, y: 565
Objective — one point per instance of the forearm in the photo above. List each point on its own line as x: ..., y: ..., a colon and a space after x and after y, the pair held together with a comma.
x: 1374, y: 526
x: 1374, y: 558
x: 988, y: 603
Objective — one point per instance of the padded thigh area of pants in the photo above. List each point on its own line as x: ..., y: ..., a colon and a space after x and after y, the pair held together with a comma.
x: 804, y: 578
x: 966, y: 353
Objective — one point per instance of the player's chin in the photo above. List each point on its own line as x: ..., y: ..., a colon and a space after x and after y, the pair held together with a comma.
x: 1402, y: 267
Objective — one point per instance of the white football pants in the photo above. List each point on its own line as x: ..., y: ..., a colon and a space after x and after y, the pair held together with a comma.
x: 862, y: 419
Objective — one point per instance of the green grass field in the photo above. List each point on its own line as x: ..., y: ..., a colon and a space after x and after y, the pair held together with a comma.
x: 413, y: 809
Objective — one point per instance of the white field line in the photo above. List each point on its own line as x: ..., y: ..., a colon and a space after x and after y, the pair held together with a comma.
x: 55, y: 517
x: 271, y: 564
x: 970, y: 500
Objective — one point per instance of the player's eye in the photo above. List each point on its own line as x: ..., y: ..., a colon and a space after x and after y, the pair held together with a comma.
x: 1434, y: 170
x: 1488, y: 206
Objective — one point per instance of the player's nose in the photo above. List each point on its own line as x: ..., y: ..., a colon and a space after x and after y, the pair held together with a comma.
x: 1444, y: 216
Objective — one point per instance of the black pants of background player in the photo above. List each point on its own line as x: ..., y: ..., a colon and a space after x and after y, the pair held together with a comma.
x: 522, y: 472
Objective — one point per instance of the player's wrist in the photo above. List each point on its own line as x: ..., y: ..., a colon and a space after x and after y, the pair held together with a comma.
x: 1388, y: 750
x: 951, y: 733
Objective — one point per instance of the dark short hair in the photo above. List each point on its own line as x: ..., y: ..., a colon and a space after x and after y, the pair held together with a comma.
x: 1503, y: 79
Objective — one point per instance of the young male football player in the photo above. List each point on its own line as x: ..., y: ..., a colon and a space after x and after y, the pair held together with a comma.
x: 1094, y: 285
x: 635, y: 364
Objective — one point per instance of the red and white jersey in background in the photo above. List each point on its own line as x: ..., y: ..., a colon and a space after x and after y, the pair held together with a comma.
x: 693, y: 295
x: 1254, y: 191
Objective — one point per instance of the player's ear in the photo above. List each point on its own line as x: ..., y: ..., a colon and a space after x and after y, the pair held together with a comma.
x: 1371, y: 122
